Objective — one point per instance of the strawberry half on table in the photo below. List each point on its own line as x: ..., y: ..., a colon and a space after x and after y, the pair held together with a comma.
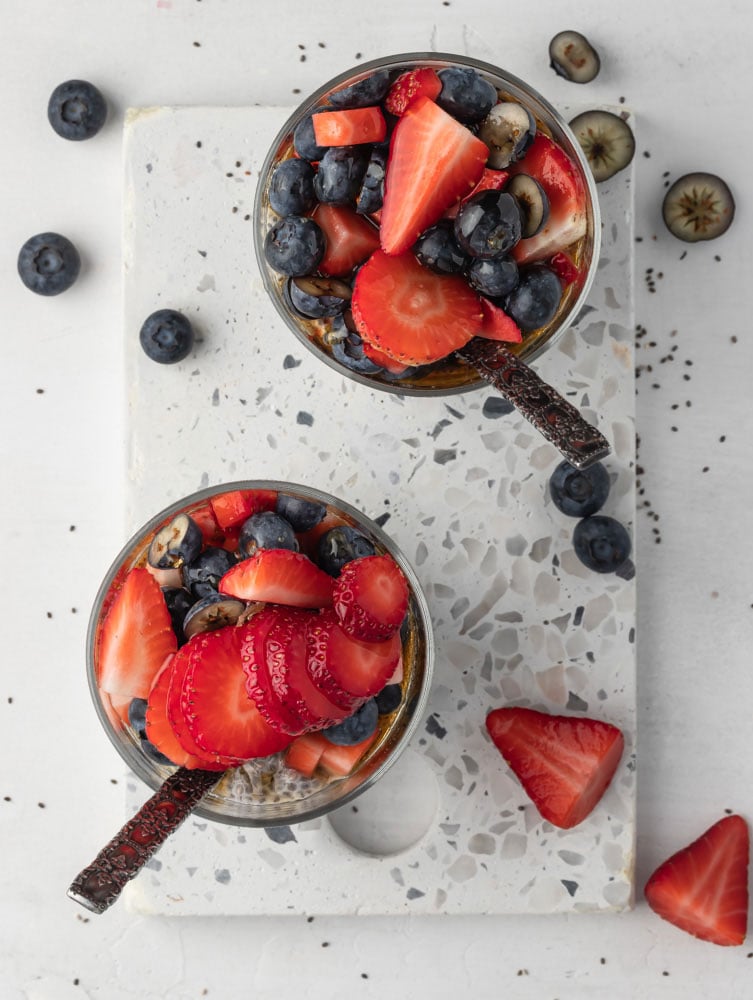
x: 564, y: 763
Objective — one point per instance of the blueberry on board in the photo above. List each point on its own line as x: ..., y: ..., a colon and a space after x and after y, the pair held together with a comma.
x: 302, y: 514
x: 465, y: 94
x: 389, y: 698
x: 48, y: 263
x: 363, y: 93
x: 212, y: 612
x: 166, y: 336
x: 294, y: 246
x: 606, y: 140
x: 579, y: 492
x: 340, y: 175
x: 304, y: 141
x: 356, y: 728
x: 371, y: 195
x: 178, y: 601
x: 266, y: 530
x: 291, y: 187
x: 493, y: 278
x: 535, y: 300
x: 341, y: 545
x: 601, y: 543
x: 178, y: 542
x: 437, y: 249
x: 315, y: 297
x: 488, y: 224
x: 76, y: 110
x: 202, y: 575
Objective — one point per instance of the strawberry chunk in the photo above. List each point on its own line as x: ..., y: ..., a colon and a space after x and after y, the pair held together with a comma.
x: 565, y: 268
x: 550, y: 165
x: 703, y: 888
x: 409, y: 86
x: 231, y: 509
x: 305, y: 752
x: 409, y: 312
x: 383, y: 360
x: 564, y: 764
x: 259, y: 684
x: 159, y: 732
x: 221, y: 717
x: 361, y: 668
x: 350, y: 127
x: 433, y: 162
x: 491, y: 180
x: 371, y: 598
x: 497, y: 325
x: 340, y: 760
x: 350, y: 238
x: 279, y: 576
x: 318, y: 634
x: 136, y: 638
x: 211, y: 533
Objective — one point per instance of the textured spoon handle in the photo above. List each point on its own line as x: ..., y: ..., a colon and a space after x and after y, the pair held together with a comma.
x: 555, y: 418
x: 99, y: 885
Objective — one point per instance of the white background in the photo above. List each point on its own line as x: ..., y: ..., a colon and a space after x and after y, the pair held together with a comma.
x: 684, y: 71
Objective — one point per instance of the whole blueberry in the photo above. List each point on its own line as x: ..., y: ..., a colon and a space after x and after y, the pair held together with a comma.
x: 488, y: 224
x: 266, y: 530
x: 48, y: 263
x: 364, y: 93
x: 202, y: 576
x: 304, y: 141
x: 166, y: 336
x: 356, y: 728
x: 465, y: 94
x: 178, y: 601
x: 76, y: 110
x: 302, y: 514
x: 349, y: 352
x: 389, y: 698
x: 438, y: 249
x: 495, y: 277
x: 340, y: 175
x: 137, y: 716
x: 535, y: 300
x: 601, y: 543
x: 579, y: 492
x: 291, y: 187
x: 294, y: 246
x: 341, y: 545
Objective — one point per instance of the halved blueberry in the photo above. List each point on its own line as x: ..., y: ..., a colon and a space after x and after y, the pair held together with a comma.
x: 266, y: 530
x: 48, y: 263
x: 573, y: 57
x: 607, y: 141
x: 356, y: 728
x: 202, y: 575
x: 315, y: 297
x: 302, y: 514
x: 178, y: 601
x: 488, y: 224
x: 697, y: 207
x: 76, y: 110
x: 341, y: 545
x: 291, y: 187
x: 533, y: 204
x: 465, y: 94
x: 508, y: 130
x: 178, y: 542
x: 601, y: 543
x: 579, y: 492
x: 166, y: 336
x: 534, y: 302
x: 212, y: 612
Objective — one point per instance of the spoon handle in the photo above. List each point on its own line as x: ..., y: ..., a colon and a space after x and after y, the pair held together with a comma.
x: 559, y: 422
x: 99, y: 885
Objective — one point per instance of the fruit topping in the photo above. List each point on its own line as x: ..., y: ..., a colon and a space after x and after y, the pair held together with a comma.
x: 601, y: 543
x: 434, y: 161
x: 535, y: 299
x: 157, y: 739
x: 438, y: 249
x: 389, y: 698
x: 703, y: 888
x: 371, y: 195
x: 564, y: 764
x: 370, y: 90
x: 166, y: 336
x: 579, y: 492
x: 371, y: 598
x: 319, y: 631
x: 360, y: 668
x: 203, y: 574
x: 279, y: 576
x: 565, y: 269
x: 76, y: 110
x: 315, y: 297
x: 231, y: 509
x: 498, y: 325
x: 48, y: 263
x: 355, y: 728
x: 305, y: 752
x: 508, y: 130
x: 350, y: 351
x: 137, y: 720
x: 291, y: 187
x: 304, y: 142
x: 340, y: 760
x: 266, y: 530
x: 259, y: 683
x: 411, y: 313
x: 136, y: 637
x: 409, y: 86
x: 607, y: 141
x: 532, y: 202
x: 698, y: 206
x: 295, y: 245
x: 349, y: 127
x: 465, y: 94
x: 488, y: 224
x: 349, y: 237
x: 212, y: 612
x: 302, y: 514
x: 178, y: 601
x: 341, y: 173
x: 176, y: 543
x: 573, y: 57
x: 493, y: 278
x: 338, y: 545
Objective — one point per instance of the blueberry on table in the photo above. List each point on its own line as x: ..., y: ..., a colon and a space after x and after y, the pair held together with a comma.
x: 438, y: 249
x: 176, y: 543
x: 294, y: 246
x: 202, y: 575
x: 48, y: 263
x: 535, y: 300
x: 363, y: 93
x: 291, y: 187
x: 488, y: 224
x: 697, y: 207
x: 266, y: 530
x: 573, y: 57
x: 166, y: 336
x: 341, y: 173
x: 302, y: 514
x: 493, y: 278
x: 579, y: 492
x: 465, y: 94
x: 601, y: 543
x: 341, y: 545
x: 606, y: 140
x: 315, y: 297
x: 212, y: 612
x: 356, y: 728
x: 76, y: 110
x: 508, y: 130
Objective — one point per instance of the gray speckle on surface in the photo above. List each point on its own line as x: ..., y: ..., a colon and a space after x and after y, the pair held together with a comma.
x: 290, y: 362
x: 434, y: 727
x: 304, y: 418
x: 575, y: 703
x: 414, y: 894
x: 216, y: 397
x: 280, y: 834
x: 222, y: 875
x: 444, y: 455
x: 572, y: 887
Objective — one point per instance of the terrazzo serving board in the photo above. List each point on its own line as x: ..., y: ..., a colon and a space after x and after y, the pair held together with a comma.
x: 461, y: 486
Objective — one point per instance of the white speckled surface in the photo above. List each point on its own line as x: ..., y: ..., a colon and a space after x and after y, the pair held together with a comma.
x: 462, y: 489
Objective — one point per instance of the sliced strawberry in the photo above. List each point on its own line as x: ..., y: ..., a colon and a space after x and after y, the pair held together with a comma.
x: 136, y: 637
x: 371, y: 598
x: 279, y: 576
x: 550, y: 165
x: 409, y: 312
x: 259, y: 685
x: 350, y: 238
x: 220, y: 716
x: 491, y: 180
x: 383, y: 360
x: 703, y: 888
x: 305, y: 752
x: 350, y: 127
x: 497, y: 325
x: 409, y: 86
x: 564, y: 764
x: 231, y: 509
x: 159, y: 732
x: 565, y: 269
x: 433, y: 162
x: 340, y: 760
x: 358, y: 667
x: 318, y: 634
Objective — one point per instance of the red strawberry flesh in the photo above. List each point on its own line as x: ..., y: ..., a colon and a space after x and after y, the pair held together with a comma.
x: 350, y: 238
x: 259, y: 684
x: 349, y: 127
x: 318, y: 634
x: 371, y: 598
x: 279, y: 576
x: 410, y: 86
x: 498, y: 325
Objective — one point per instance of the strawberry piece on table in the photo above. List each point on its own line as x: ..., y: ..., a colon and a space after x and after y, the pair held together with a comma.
x: 253, y: 639
x: 350, y: 127
x: 371, y: 598
x: 136, y: 638
x: 564, y: 763
x: 305, y: 752
x: 220, y: 716
x: 550, y: 165
x: 318, y: 633
x: 703, y: 888
x: 409, y: 86
x: 350, y: 238
x: 497, y: 325
x: 409, y: 312
x: 233, y: 508
x: 340, y: 760
x: 433, y: 162
x: 279, y: 576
